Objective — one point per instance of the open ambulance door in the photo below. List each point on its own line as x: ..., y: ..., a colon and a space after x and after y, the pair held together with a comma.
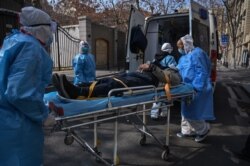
x: 136, y: 40
x: 199, y: 26
x: 203, y: 28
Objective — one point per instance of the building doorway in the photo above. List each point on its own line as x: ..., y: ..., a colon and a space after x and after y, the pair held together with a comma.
x: 101, y: 54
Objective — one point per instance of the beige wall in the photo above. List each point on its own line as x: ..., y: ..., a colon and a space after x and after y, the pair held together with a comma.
x: 111, y: 43
x: 100, y: 32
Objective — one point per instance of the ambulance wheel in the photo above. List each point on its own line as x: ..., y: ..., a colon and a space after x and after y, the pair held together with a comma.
x: 68, y: 140
x: 143, y: 140
x: 165, y: 155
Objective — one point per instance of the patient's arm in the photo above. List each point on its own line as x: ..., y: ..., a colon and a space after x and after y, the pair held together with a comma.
x: 167, y: 75
x: 158, y: 73
x: 144, y: 67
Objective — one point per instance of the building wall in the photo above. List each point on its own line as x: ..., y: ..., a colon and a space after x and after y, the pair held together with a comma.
x: 247, y: 24
x: 85, y: 29
x: 243, y: 39
x: 247, y: 21
x: 107, y: 34
x: 243, y: 34
x: 94, y: 34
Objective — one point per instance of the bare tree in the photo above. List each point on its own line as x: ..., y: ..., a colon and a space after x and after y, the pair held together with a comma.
x: 117, y: 12
x: 233, y: 18
x: 35, y: 3
x: 109, y: 12
x: 162, y: 6
x: 67, y: 11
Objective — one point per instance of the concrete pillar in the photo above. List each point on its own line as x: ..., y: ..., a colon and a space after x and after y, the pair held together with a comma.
x: 85, y: 32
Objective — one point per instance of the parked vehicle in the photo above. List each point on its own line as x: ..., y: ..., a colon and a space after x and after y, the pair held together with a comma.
x: 197, y: 21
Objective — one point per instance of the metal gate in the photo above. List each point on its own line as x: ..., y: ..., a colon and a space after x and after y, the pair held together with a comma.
x: 8, y: 21
x: 63, y: 49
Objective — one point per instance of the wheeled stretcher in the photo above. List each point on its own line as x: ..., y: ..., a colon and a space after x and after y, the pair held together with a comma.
x: 72, y: 114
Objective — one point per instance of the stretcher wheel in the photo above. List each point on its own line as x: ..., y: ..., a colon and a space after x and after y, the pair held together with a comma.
x: 68, y: 140
x: 165, y: 155
x: 143, y: 140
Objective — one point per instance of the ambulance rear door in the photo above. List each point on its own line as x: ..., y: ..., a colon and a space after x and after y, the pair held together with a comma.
x: 133, y: 60
x: 199, y: 26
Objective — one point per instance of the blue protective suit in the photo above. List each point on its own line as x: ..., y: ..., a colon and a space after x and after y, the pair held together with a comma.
x: 84, y: 68
x: 25, y: 71
x: 168, y: 60
x: 195, y: 68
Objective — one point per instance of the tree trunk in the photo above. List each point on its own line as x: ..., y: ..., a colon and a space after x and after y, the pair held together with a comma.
x: 138, y: 5
x: 233, y: 55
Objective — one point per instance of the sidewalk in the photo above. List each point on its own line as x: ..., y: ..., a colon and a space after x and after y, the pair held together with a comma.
x: 222, y: 68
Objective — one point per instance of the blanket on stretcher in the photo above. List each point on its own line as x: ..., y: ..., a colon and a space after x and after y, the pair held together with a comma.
x: 75, y: 107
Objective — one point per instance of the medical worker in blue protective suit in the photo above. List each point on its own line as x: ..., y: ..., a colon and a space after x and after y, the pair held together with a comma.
x: 25, y: 71
x: 194, y: 67
x: 84, y: 66
x: 165, y: 60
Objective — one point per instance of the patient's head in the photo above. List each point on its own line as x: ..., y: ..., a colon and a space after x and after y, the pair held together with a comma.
x: 167, y: 48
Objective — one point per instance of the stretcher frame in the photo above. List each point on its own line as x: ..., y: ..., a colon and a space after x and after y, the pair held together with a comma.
x: 70, y: 123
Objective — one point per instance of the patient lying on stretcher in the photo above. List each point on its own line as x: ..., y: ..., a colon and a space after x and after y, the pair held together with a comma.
x: 147, y: 74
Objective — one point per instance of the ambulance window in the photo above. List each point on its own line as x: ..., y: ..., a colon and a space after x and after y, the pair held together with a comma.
x: 201, y: 35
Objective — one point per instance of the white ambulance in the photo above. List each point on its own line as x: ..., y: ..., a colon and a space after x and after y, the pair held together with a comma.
x: 197, y: 21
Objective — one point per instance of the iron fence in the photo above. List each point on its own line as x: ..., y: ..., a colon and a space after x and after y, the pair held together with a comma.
x: 63, y: 49
x: 8, y: 21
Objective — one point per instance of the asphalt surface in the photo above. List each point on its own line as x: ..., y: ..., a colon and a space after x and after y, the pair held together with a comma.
x: 228, y: 133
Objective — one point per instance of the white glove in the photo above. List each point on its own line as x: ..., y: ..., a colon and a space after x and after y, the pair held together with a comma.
x: 172, y: 66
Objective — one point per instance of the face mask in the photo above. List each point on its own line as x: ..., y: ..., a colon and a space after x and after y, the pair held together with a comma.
x: 181, y: 51
x: 85, y: 50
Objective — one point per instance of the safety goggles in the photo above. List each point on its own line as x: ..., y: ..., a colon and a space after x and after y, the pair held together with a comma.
x: 85, y: 45
x: 53, y: 26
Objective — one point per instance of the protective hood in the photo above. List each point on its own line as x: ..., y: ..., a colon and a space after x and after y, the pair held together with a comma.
x: 166, y: 47
x: 84, y: 47
x: 37, y: 23
x: 188, y: 43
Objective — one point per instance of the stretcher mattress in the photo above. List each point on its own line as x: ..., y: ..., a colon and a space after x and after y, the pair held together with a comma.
x: 75, y: 107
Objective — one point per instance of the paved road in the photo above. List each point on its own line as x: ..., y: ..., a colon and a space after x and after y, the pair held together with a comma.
x: 228, y: 133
